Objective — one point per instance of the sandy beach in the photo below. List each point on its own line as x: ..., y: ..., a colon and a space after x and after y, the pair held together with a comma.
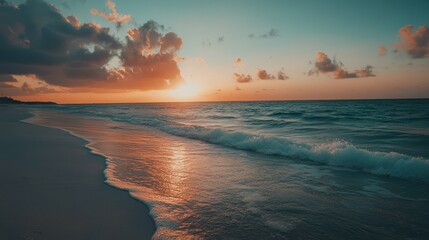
x: 52, y: 187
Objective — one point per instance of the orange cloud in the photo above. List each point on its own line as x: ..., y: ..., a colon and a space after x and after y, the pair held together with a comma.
x: 382, y: 50
x: 416, y: 44
x: 114, y: 16
x: 26, y: 88
x: 148, y: 58
x: 73, y: 21
x: 241, y: 78
x: 237, y: 61
x: 263, y: 75
x: 324, y: 64
x: 282, y: 76
x: 365, y: 72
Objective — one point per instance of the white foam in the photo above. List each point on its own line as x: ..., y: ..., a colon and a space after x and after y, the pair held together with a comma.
x: 336, y: 153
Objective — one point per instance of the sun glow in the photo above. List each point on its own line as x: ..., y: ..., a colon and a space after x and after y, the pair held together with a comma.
x: 186, y: 91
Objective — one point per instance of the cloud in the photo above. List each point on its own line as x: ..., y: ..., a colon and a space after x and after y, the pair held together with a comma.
x: 416, y: 44
x: 148, y: 58
x: 282, y: 76
x: 170, y: 42
x: 237, y: 61
x: 242, y: 78
x: 5, y: 81
x: 270, y: 34
x: 28, y: 89
x: 365, y: 72
x: 114, y: 16
x: 35, y: 38
x: 343, y: 74
x: 382, y: 50
x: 324, y: 64
x: 25, y: 85
x: 263, y: 75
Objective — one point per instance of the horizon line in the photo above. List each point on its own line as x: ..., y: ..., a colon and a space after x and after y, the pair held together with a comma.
x: 285, y: 100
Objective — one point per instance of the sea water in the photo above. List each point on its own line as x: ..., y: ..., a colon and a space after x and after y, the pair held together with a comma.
x: 265, y: 170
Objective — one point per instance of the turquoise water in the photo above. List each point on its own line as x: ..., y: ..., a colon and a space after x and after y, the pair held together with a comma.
x: 266, y: 170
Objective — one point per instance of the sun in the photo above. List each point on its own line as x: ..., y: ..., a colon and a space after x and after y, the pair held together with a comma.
x: 186, y: 91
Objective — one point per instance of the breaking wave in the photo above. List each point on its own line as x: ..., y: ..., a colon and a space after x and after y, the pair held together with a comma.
x: 336, y: 153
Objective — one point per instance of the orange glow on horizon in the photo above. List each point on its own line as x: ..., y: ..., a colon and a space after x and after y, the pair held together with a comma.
x: 185, y: 92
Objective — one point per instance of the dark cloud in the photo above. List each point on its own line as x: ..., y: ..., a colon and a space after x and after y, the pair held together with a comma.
x: 282, y: 76
x: 170, y: 42
x: 365, y: 72
x: 416, y: 44
x: 113, y: 16
x: 270, y: 34
x: 36, y: 39
x: 324, y: 64
x: 7, y: 79
x: 242, y: 78
x: 263, y: 75
x: 343, y: 74
x: 148, y: 59
x: 260, y: 74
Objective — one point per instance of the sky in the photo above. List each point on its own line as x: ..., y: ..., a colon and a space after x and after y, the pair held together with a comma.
x: 81, y: 51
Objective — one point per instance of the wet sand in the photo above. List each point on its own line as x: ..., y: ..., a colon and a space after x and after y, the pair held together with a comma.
x: 52, y: 187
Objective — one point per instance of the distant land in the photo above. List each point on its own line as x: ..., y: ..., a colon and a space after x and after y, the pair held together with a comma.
x: 8, y: 100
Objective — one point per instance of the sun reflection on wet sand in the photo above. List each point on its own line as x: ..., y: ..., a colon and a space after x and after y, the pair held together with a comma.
x: 155, y: 172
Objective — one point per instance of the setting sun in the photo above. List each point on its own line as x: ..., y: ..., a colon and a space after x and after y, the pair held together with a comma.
x: 185, y: 91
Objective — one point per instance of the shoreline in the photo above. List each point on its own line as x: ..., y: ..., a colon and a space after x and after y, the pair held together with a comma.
x: 54, y: 187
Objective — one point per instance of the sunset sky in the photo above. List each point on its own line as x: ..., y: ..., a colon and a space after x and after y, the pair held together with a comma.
x: 81, y: 51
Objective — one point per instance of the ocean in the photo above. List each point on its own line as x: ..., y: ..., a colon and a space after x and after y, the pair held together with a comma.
x: 265, y: 170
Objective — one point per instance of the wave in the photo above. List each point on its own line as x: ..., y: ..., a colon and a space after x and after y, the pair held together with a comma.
x: 285, y: 114
x: 221, y: 117
x: 336, y: 153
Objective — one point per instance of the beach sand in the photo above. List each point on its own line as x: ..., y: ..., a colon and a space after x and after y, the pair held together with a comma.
x: 52, y: 187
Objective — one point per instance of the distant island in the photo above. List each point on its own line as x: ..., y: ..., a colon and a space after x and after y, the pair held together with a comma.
x: 8, y: 100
